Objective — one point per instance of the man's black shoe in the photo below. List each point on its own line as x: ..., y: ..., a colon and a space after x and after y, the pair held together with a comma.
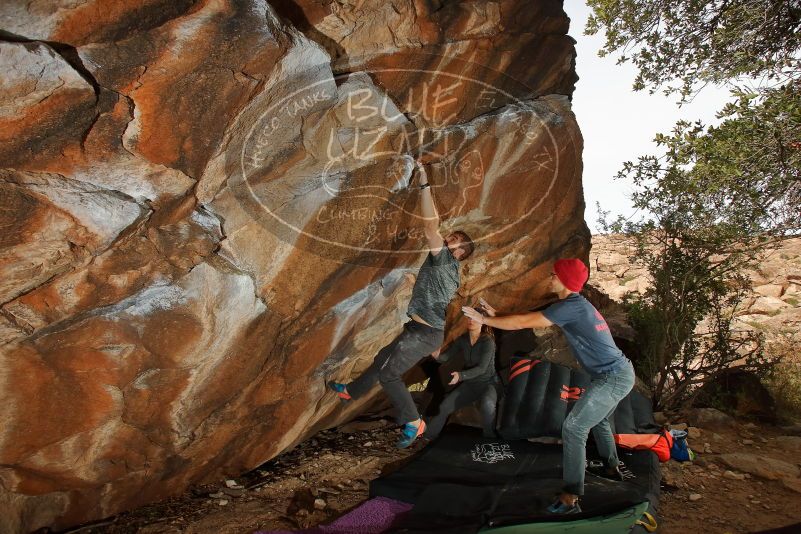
x: 618, y: 474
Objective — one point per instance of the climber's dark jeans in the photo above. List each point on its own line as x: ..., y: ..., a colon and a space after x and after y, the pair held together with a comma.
x: 482, y: 390
x: 414, y: 343
x: 592, y: 412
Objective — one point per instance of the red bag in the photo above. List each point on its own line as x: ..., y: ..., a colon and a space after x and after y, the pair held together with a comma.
x: 660, y: 443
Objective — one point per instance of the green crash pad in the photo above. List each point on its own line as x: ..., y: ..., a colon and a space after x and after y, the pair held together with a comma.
x: 617, y: 523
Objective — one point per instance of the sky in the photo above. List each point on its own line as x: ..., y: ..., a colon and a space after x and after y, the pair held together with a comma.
x: 617, y: 123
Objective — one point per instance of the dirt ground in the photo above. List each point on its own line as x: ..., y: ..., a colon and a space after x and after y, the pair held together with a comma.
x: 328, y: 475
x: 728, y: 505
x: 335, y: 466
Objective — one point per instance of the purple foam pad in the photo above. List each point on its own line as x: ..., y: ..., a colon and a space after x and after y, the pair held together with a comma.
x: 371, y: 517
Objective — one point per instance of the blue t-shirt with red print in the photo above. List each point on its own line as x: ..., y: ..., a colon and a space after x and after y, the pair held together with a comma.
x: 587, y: 333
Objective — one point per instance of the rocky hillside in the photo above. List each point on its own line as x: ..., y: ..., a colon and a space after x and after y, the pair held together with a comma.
x: 206, y: 213
x: 775, y: 307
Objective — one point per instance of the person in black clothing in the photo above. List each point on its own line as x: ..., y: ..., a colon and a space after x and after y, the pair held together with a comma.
x: 478, y: 381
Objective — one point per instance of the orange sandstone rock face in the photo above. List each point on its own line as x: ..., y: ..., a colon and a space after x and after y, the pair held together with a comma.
x: 206, y: 213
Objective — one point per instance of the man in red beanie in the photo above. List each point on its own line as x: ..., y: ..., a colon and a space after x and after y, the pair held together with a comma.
x: 612, y: 375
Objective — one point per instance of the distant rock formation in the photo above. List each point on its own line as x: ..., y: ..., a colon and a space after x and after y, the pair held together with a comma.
x: 775, y: 307
x: 205, y: 213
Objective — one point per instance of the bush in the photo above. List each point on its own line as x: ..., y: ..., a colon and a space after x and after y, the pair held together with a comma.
x: 685, y: 322
x: 784, y: 381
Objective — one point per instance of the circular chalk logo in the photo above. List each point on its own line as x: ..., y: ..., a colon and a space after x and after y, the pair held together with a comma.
x: 333, y: 163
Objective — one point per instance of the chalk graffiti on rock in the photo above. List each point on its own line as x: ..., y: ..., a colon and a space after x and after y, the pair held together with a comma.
x: 330, y: 162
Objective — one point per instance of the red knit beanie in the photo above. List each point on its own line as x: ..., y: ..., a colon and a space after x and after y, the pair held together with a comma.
x: 572, y: 273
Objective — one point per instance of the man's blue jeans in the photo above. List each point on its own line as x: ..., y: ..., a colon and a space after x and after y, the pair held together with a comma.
x: 592, y: 412
x: 415, y: 342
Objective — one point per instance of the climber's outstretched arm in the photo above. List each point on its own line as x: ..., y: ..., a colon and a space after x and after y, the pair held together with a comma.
x: 431, y: 220
x: 510, y: 322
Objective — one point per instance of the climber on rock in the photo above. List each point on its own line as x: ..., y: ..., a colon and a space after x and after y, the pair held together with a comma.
x: 612, y: 376
x: 436, y: 283
x: 477, y: 382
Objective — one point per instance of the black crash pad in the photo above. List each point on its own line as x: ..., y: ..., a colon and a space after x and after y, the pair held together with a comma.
x: 464, y: 482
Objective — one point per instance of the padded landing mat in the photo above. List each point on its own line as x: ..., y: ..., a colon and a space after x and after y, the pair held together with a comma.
x: 541, y: 394
x: 371, y: 517
x: 465, y: 483
x: 609, y: 524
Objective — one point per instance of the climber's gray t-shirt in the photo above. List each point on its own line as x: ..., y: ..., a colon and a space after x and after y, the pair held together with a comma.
x: 587, y: 334
x: 437, y: 282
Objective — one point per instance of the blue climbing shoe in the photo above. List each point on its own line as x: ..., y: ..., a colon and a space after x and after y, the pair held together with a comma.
x: 410, y: 433
x: 341, y: 390
x: 560, y: 508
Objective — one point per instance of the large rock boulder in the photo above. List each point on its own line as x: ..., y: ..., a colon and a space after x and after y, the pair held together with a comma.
x: 740, y: 394
x: 206, y: 214
x: 760, y: 465
x: 789, y: 443
x: 710, y: 417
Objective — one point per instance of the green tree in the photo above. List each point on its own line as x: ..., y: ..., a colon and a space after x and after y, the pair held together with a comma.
x: 686, y: 319
x: 719, y: 194
x: 754, y: 48
x: 695, y: 42
x: 735, y: 182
